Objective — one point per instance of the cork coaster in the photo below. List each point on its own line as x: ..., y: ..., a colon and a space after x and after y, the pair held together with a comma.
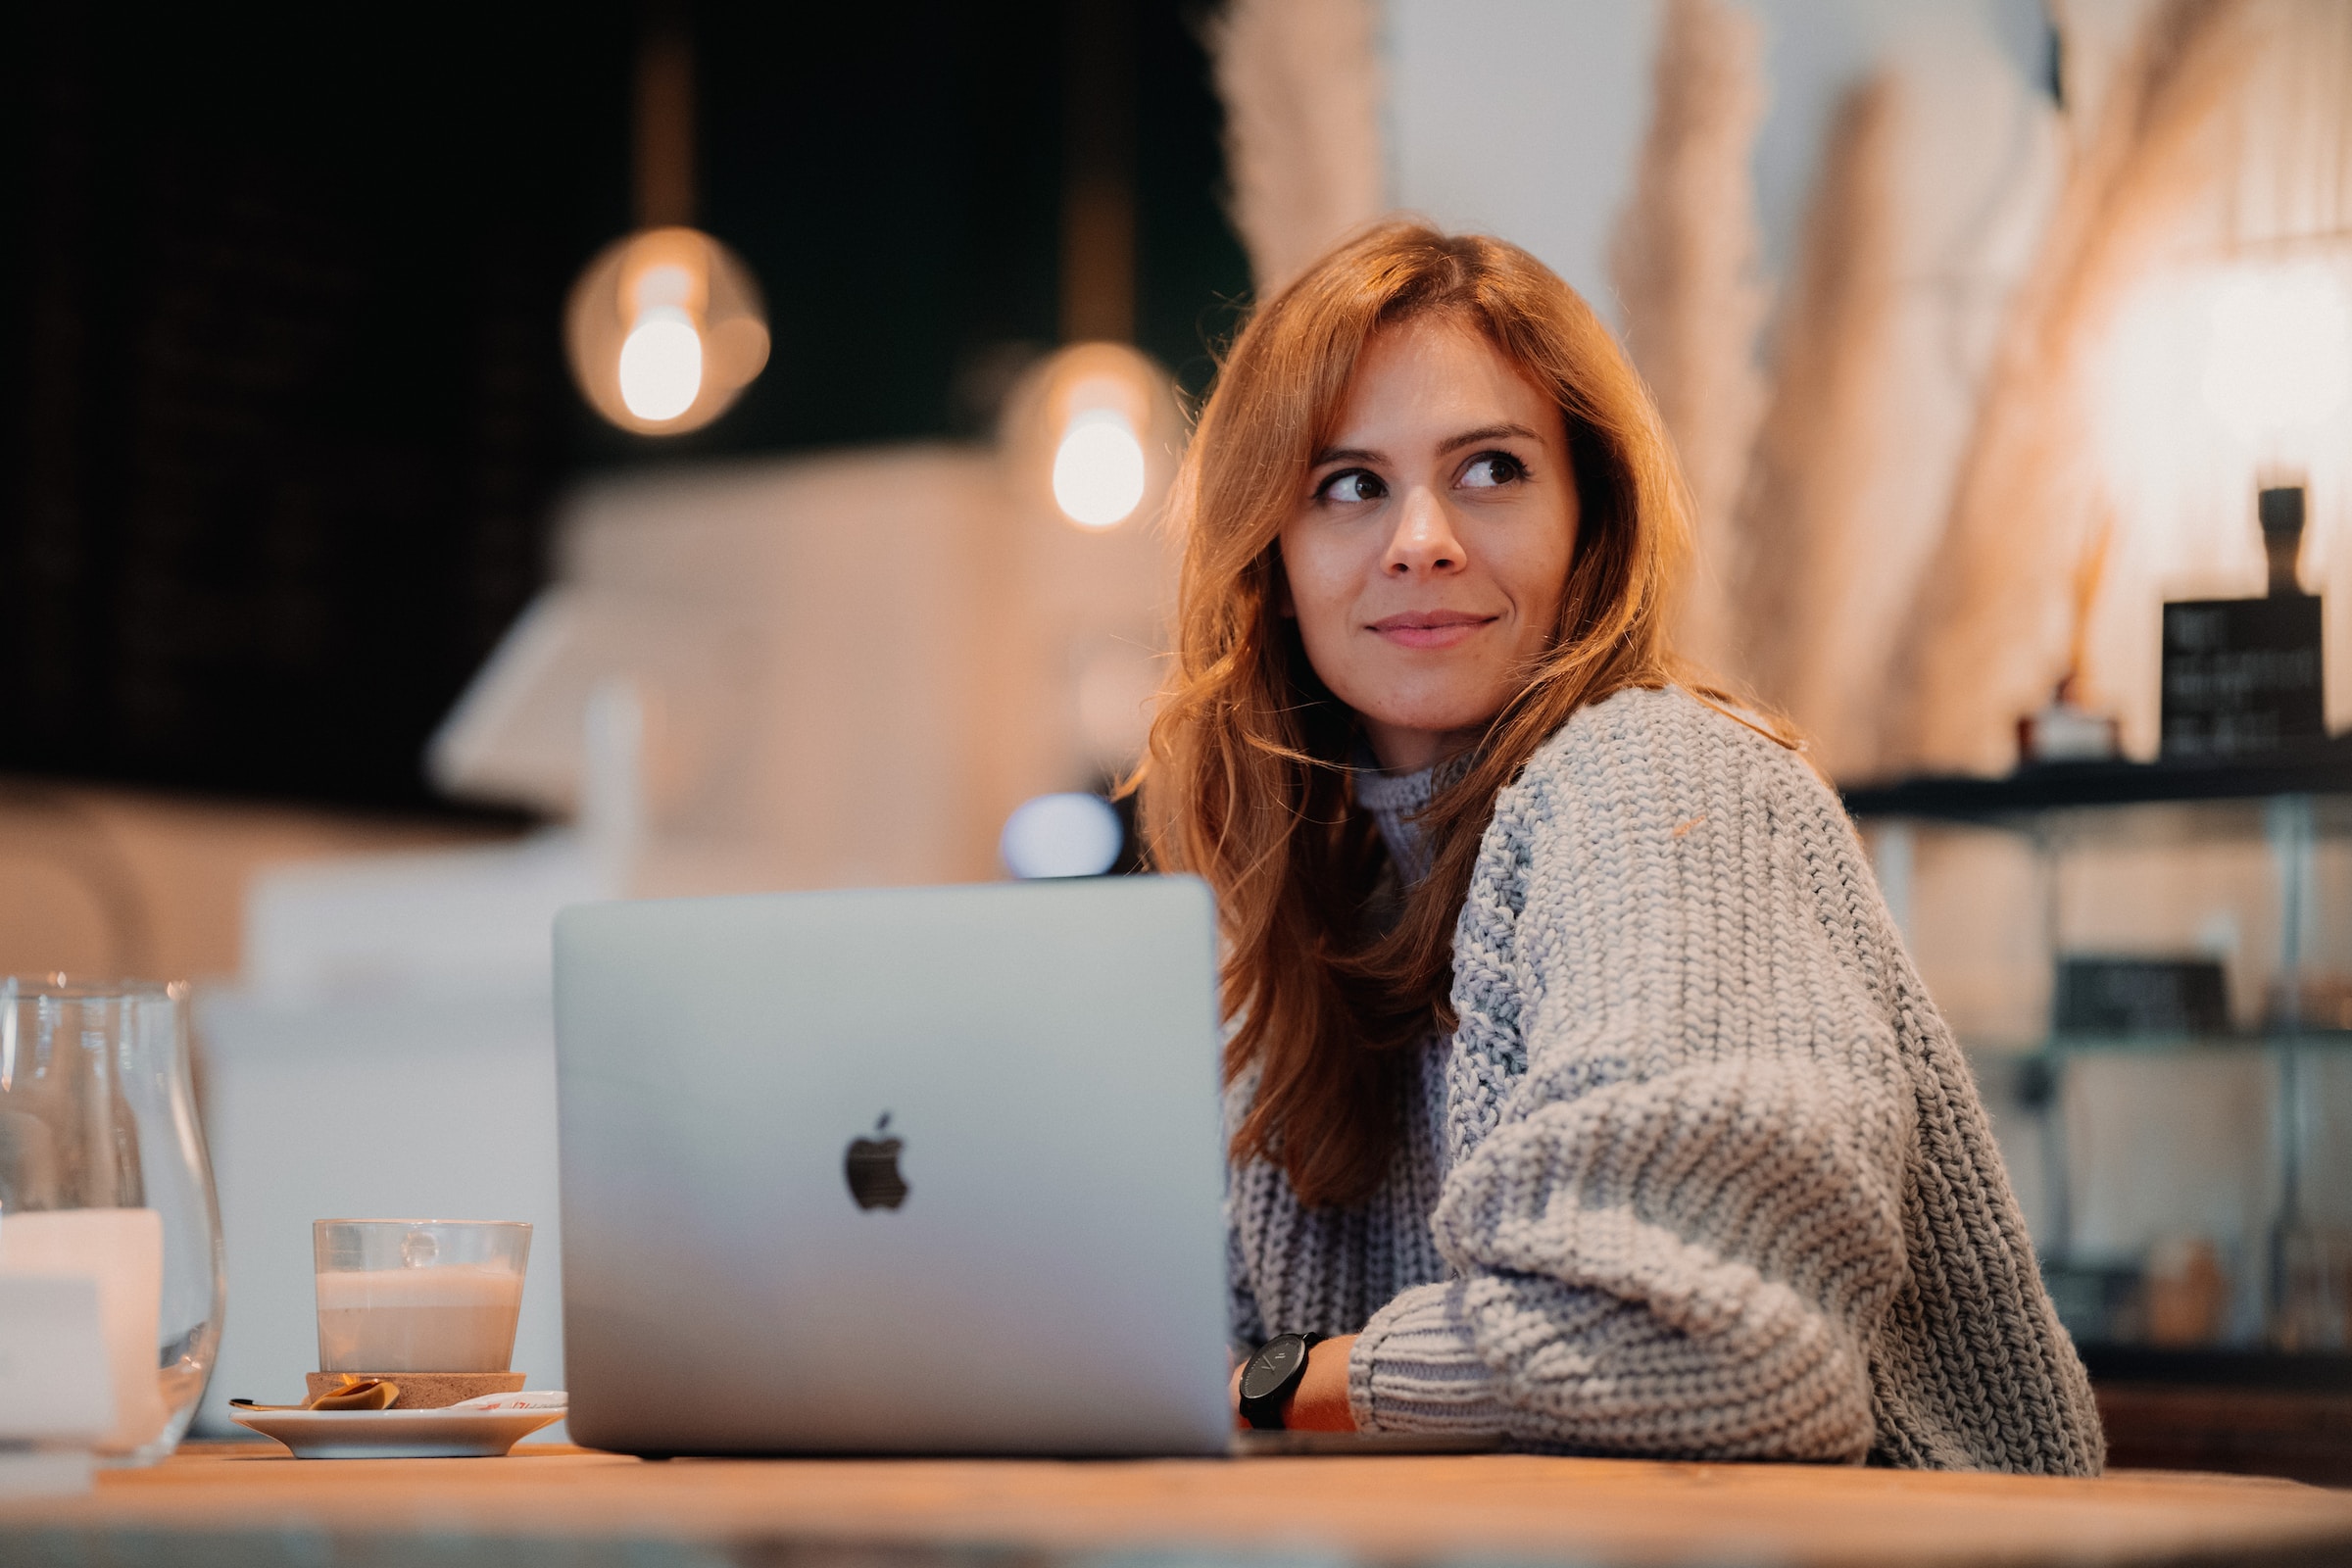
x: 425, y: 1391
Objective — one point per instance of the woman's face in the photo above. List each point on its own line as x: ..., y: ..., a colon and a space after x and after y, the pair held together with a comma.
x: 1427, y: 560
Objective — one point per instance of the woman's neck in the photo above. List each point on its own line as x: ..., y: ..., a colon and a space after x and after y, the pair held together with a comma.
x: 1400, y: 750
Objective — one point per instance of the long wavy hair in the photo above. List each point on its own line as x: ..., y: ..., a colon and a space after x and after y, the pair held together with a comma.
x: 1247, y: 777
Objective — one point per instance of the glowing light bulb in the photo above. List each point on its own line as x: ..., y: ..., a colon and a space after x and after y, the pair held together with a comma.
x: 665, y: 330
x: 2276, y: 361
x: 1099, y: 470
x: 660, y: 365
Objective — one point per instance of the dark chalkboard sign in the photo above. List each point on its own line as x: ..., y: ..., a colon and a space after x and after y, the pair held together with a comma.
x: 2102, y: 995
x: 2241, y: 677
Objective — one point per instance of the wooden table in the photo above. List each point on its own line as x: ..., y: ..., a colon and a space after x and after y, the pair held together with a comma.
x: 249, y: 1505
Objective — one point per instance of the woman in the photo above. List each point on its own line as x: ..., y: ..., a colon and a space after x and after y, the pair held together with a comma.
x: 1579, y: 1086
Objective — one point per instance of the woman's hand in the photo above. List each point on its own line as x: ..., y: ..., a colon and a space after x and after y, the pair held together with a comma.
x: 1319, y: 1403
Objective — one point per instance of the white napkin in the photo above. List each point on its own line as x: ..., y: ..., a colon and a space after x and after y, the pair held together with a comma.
x: 527, y: 1400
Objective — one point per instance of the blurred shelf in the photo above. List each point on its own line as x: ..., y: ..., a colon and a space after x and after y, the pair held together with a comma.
x: 2301, y: 1432
x: 2324, y: 770
x: 2302, y: 1371
x: 2157, y: 1044
x: 2014, y: 1065
x: 2139, y: 1036
x: 2253, y: 1413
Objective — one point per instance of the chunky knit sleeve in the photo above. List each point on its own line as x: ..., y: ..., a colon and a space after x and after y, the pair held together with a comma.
x: 1679, y: 1116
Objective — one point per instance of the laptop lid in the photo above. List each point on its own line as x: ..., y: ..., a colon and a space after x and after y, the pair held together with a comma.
x: 929, y: 1170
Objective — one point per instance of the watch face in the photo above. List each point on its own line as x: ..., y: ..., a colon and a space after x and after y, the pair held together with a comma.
x: 1271, y: 1365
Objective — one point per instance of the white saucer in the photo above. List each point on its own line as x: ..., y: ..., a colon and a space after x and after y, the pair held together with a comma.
x: 397, y: 1434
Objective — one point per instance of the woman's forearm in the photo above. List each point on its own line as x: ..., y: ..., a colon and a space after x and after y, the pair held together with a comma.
x: 1320, y: 1401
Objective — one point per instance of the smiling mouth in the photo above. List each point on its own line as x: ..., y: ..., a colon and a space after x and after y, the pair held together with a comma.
x: 1430, y: 628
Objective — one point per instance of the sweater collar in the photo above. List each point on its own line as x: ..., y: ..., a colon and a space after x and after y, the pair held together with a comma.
x: 1396, y: 801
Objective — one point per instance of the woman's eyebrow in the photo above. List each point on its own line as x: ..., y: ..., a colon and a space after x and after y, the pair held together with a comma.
x: 1468, y: 438
x: 1486, y: 432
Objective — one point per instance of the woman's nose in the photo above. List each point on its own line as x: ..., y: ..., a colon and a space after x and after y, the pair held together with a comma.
x: 1424, y: 539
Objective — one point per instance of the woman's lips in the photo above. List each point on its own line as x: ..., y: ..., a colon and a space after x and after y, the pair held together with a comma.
x: 1430, y: 628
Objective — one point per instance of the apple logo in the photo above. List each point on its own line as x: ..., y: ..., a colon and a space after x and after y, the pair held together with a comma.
x: 872, y: 1169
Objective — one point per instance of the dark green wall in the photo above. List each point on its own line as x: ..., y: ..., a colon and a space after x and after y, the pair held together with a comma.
x: 287, y: 410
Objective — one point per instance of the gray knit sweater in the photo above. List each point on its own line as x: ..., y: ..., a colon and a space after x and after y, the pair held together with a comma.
x: 1701, y: 1171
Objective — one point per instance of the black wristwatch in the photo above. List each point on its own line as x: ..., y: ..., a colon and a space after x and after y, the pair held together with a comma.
x: 1271, y: 1377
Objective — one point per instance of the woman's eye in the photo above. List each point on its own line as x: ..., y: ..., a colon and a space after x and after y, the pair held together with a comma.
x: 1350, y: 485
x: 1491, y: 468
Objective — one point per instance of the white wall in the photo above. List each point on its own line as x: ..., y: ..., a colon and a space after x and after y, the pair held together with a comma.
x: 1816, y: 50
x: 1523, y: 118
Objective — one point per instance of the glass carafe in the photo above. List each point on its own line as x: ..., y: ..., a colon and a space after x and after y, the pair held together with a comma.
x: 103, y: 1173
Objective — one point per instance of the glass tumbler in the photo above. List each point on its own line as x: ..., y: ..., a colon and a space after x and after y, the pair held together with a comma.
x: 418, y: 1294
x: 104, y: 1174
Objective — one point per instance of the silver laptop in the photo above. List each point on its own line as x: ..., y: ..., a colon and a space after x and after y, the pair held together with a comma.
x: 930, y: 1170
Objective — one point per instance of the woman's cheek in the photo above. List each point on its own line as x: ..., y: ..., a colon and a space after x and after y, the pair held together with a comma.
x: 1324, y: 597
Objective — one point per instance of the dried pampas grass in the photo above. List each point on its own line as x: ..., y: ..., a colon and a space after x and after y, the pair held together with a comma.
x: 1807, y: 518
x: 1301, y: 82
x: 1996, y: 622
x: 1685, y: 263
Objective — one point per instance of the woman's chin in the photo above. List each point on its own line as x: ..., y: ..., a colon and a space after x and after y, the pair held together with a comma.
x: 1413, y: 738
x: 1442, y: 710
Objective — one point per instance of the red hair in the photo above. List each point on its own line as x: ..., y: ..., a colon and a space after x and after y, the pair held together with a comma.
x: 1247, y: 779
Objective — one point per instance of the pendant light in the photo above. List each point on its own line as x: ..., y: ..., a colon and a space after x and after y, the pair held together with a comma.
x: 1098, y: 423
x: 664, y: 328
